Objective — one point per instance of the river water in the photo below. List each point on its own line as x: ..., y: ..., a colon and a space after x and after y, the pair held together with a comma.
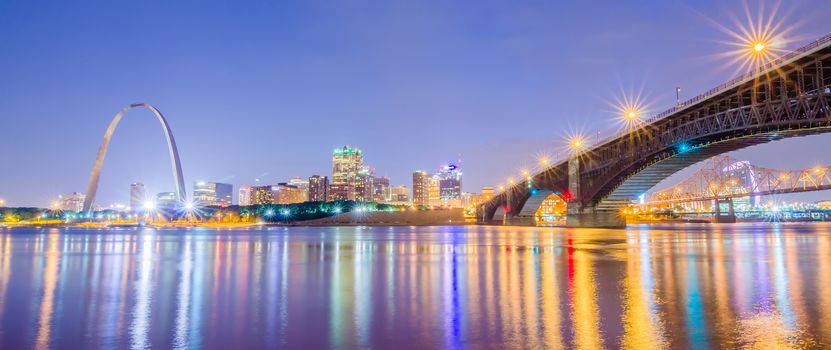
x: 684, y: 286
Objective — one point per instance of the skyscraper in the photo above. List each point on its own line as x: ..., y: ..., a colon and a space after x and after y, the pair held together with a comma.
x: 318, y: 188
x: 434, y: 191
x: 421, y: 184
x: 137, y: 195
x: 212, y: 194
x: 364, y: 187
x: 245, y: 196
x: 347, y: 164
x: 450, y: 186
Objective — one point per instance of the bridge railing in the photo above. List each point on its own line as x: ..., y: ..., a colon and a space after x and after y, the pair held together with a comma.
x: 729, y: 84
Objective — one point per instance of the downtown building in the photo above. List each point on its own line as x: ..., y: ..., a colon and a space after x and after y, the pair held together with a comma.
x: 487, y: 193
x: 261, y: 195
x: 72, y: 202
x: 212, y: 194
x: 365, y: 186
x: 421, y: 188
x: 137, y: 195
x: 284, y: 193
x: 245, y: 196
x: 347, y: 165
x: 399, y: 195
x: 301, y: 184
x: 450, y: 186
x: 318, y: 188
x: 381, y: 191
x: 167, y: 201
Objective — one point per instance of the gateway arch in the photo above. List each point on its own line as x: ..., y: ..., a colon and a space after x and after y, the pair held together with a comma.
x: 92, y: 186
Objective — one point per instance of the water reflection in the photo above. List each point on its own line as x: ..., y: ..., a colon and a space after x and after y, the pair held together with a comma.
x: 754, y: 286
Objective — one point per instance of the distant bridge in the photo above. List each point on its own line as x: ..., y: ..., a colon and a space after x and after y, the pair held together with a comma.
x: 725, y: 177
x: 787, y: 97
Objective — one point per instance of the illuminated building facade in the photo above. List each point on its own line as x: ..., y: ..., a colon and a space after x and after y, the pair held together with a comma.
x: 245, y: 196
x: 318, y: 188
x: 167, y: 200
x: 261, y: 195
x: 487, y: 194
x: 341, y: 192
x: 301, y: 184
x: 137, y: 195
x: 382, y: 189
x: 72, y: 202
x: 450, y: 186
x: 212, y: 194
x: 347, y: 164
x: 399, y: 195
x: 284, y: 193
x: 471, y: 199
x: 365, y: 187
x: 421, y: 188
x: 552, y: 210
x: 434, y: 191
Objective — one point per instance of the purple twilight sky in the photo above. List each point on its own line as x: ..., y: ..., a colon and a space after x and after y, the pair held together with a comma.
x: 266, y: 89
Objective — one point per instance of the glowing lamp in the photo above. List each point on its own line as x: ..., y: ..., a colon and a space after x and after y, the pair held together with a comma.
x: 759, y: 47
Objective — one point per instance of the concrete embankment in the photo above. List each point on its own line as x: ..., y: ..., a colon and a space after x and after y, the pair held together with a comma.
x: 403, y: 218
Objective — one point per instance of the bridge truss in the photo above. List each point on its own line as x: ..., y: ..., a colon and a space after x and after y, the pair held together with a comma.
x: 725, y: 177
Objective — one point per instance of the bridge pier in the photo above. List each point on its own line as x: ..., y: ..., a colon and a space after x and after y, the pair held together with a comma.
x: 722, y: 218
x: 578, y: 215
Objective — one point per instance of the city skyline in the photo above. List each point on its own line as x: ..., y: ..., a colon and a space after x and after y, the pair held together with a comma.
x: 499, y: 123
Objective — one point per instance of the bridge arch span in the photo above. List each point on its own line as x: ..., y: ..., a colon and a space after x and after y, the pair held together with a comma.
x: 92, y: 185
x: 789, y: 96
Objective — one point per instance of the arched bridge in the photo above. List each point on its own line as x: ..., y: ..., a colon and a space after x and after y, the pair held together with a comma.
x: 726, y: 177
x: 787, y: 97
x: 92, y: 186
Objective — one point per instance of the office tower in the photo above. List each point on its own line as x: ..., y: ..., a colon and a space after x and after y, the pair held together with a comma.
x: 261, y: 195
x: 365, y: 187
x: 301, y: 184
x: 284, y: 193
x: 421, y: 184
x: 347, y: 164
x: 450, y: 186
x: 381, y: 192
x: 434, y: 191
x: 245, y: 196
x: 212, y: 194
x: 137, y: 195
x: 341, y: 192
x: 318, y: 188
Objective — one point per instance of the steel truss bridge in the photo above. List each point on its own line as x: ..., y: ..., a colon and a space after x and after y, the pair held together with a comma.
x: 787, y: 97
x: 725, y: 177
